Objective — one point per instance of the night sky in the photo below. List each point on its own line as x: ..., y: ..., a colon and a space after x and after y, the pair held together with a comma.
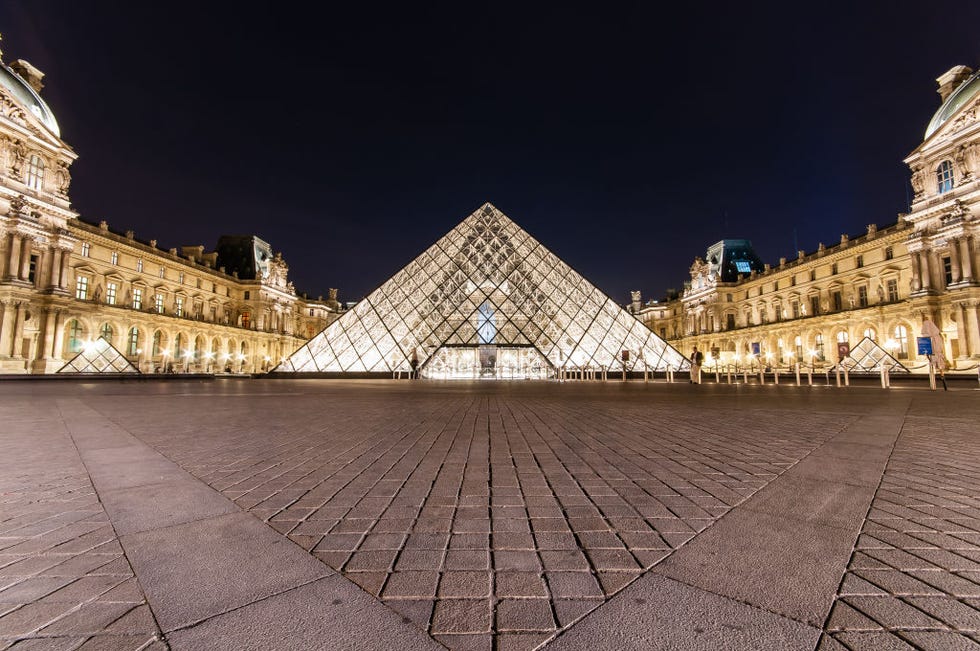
x: 627, y: 139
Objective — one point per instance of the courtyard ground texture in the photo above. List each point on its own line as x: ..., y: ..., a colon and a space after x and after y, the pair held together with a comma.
x: 327, y: 514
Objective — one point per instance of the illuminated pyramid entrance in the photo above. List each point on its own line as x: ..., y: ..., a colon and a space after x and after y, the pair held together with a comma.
x: 485, y: 301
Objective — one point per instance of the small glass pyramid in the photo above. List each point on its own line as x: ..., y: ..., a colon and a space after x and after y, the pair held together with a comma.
x: 99, y: 357
x: 485, y: 301
x: 869, y: 356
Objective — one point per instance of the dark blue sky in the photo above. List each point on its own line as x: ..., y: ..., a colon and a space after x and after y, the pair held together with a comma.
x: 626, y: 138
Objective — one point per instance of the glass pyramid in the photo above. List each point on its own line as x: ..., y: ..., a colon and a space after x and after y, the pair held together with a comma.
x: 869, y: 356
x: 486, y: 300
x: 99, y: 357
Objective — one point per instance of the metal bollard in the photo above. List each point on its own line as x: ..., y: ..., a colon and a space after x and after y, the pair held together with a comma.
x: 762, y: 374
x: 837, y: 373
x: 847, y: 378
x: 809, y: 375
x: 775, y: 374
x: 797, y: 374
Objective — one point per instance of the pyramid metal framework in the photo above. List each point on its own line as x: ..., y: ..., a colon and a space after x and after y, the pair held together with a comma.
x: 99, y: 357
x: 485, y: 299
x: 869, y: 356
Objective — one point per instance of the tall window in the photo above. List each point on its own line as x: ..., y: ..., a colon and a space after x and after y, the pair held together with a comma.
x: 818, y: 346
x: 180, y: 277
x: 814, y: 305
x: 859, y: 261
x: 902, y: 338
x: 871, y: 333
x: 892, y: 287
x: 944, y: 176
x: 133, y: 342
x: 948, y: 269
x: 32, y: 268
x: 139, y: 265
x: 106, y: 332
x: 157, y: 338
x: 137, y: 298
x: 179, y: 306
x: 86, y: 249
x: 795, y: 307
x: 842, y: 337
x: 246, y: 318
x: 863, y: 296
x: 74, y: 336
x: 81, y: 288
x: 798, y: 342
x: 836, y: 301
x: 163, y: 272
x: 35, y: 172
x: 889, y: 253
x: 110, y: 293
x: 158, y: 303
x: 833, y: 269
x: 114, y: 258
x: 178, y: 345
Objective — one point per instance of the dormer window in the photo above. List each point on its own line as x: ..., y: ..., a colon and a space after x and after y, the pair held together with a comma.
x: 35, y: 173
x: 944, y: 176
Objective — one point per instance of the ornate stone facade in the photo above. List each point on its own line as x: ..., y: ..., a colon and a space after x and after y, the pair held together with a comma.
x: 64, y: 282
x: 881, y: 284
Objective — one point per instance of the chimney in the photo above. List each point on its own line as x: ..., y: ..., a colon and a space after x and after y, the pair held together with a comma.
x: 33, y: 76
x: 948, y: 81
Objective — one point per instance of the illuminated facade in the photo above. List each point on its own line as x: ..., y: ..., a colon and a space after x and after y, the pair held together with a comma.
x: 485, y: 301
x: 64, y: 282
x: 881, y: 284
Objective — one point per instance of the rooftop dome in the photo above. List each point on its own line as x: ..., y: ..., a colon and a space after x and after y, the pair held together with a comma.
x: 27, y: 96
x: 956, y: 99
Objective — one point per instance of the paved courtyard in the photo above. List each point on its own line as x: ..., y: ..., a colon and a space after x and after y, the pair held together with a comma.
x: 317, y: 514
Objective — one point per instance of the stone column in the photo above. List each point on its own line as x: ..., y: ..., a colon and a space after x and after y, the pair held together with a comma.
x: 13, y: 259
x: 6, y: 327
x: 25, y: 258
x: 55, y: 268
x: 46, y: 346
x: 63, y: 279
x: 954, y: 261
x: 972, y: 328
x: 59, y: 331
x: 924, y: 271
x: 965, y: 263
x: 18, y: 330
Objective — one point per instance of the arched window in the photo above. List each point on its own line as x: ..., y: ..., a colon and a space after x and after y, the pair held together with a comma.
x: 106, y: 332
x: 157, y: 339
x: 178, y: 345
x: 74, y: 336
x: 798, y: 342
x: 133, y: 342
x: 944, y: 176
x: 870, y: 333
x: 842, y: 337
x: 902, y: 339
x: 818, y: 346
x: 35, y: 172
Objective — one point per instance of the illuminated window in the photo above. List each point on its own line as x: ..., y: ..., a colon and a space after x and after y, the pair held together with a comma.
x: 871, y: 333
x: 81, y: 288
x: 163, y: 272
x: 157, y: 339
x: 842, y: 337
x: 139, y: 265
x: 944, y: 176
x: 743, y: 266
x: 179, y: 306
x: 106, y: 332
x: 110, y: 293
x: 114, y: 258
x: 246, y: 317
x: 158, y: 303
x: 35, y: 172
x: 798, y: 342
x: 902, y: 338
x: 137, y: 299
x: 74, y: 336
x: 86, y: 249
x: 133, y: 341
x: 818, y: 346
x: 180, y: 278
x: 892, y: 287
x: 863, y: 296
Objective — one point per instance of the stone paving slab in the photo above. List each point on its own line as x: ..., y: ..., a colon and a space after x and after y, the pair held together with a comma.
x: 497, y: 516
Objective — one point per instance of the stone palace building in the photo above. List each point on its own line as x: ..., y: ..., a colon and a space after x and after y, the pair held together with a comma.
x: 881, y: 284
x: 65, y: 282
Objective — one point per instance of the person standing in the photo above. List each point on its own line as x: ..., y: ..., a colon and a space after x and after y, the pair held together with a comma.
x: 697, y: 357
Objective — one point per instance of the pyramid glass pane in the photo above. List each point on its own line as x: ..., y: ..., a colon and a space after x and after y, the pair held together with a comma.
x: 99, y: 357
x: 485, y: 301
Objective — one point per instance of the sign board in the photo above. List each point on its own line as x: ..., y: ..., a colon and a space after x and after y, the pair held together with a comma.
x: 843, y: 349
x: 715, y: 352
x: 924, y: 345
x: 756, y: 348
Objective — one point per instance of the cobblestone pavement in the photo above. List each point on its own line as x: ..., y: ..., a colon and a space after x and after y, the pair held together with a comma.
x: 64, y: 582
x: 914, y: 578
x: 497, y: 516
